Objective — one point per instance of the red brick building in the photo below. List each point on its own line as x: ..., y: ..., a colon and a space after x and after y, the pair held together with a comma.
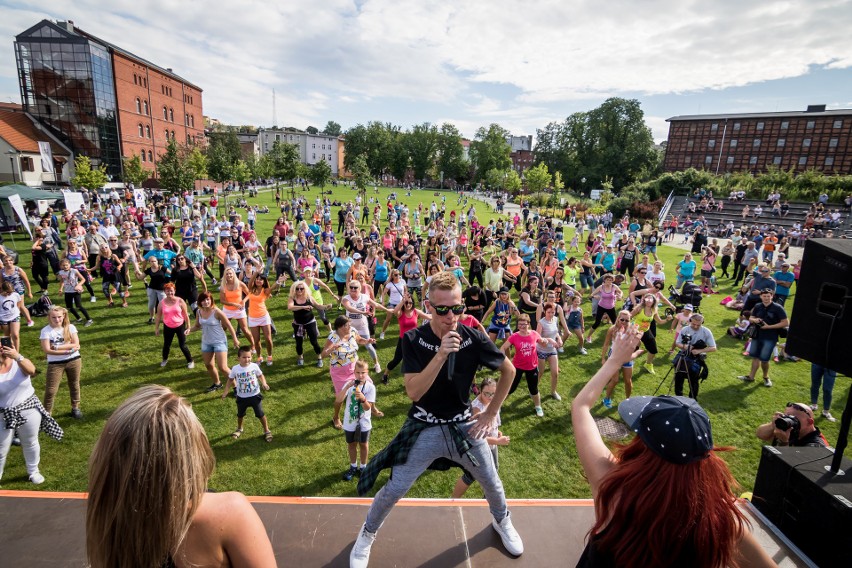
x: 816, y: 139
x: 104, y: 101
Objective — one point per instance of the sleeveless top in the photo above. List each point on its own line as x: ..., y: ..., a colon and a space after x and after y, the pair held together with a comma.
x: 303, y: 317
x: 233, y: 297
x: 607, y: 300
x: 257, y: 305
x: 381, y: 271
x: 502, y: 315
x: 396, y: 291
x: 549, y: 329
x: 643, y: 321
x: 211, y: 329
x: 407, y: 323
x: 16, y: 280
x: 360, y: 303
x: 523, y: 306
x: 571, y: 276
x: 574, y: 319
x: 172, y: 314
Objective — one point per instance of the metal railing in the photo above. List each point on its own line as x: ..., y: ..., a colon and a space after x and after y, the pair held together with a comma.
x: 664, y: 211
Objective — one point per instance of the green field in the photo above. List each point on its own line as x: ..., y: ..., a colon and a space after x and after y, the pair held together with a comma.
x: 307, y: 456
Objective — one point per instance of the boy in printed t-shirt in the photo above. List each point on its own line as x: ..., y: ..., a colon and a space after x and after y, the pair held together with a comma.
x: 247, y: 379
x: 358, y: 397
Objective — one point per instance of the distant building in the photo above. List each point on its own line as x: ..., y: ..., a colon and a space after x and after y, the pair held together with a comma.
x: 522, y: 154
x: 104, y: 101
x: 815, y: 139
x: 312, y: 147
x: 20, y: 157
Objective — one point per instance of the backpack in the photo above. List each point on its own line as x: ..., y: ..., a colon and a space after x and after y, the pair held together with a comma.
x: 40, y: 307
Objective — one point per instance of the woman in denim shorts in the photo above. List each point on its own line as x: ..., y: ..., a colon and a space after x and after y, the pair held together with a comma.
x: 215, y: 329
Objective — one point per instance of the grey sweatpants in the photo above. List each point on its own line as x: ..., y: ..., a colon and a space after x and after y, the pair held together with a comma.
x: 433, y: 443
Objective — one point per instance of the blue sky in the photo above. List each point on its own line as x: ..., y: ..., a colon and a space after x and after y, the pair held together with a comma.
x: 472, y: 63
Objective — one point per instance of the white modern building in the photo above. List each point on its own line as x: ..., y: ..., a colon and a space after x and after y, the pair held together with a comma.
x: 312, y: 147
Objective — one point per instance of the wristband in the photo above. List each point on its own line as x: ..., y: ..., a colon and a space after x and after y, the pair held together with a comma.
x: 20, y: 358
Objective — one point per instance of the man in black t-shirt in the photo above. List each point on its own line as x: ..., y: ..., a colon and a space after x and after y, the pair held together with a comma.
x: 806, y: 434
x: 770, y: 319
x: 439, y: 430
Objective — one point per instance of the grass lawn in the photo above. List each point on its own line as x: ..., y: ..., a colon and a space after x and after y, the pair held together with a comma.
x: 307, y: 456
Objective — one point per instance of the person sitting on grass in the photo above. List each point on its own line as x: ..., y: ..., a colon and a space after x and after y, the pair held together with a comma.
x: 247, y: 379
x: 358, y: 397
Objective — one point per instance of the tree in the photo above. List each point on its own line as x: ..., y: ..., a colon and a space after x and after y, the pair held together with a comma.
x: 422, y: 143
x: 494, y: 178
x: 400, y: 158
x: 86, y: 176
x: 312, y: 130
x: 374, y: 142
x: 538, y: 178
x: 320, y: 174
x: 261, y: 167
x: 223, y: 153
x: 176, y: 173
x: 332, y: 128
x: 133, y: 171
x: 490, y: 151
x: 360, y: 172
x: 242, y: 172
x: 198, y: 163
x: 451, y: 153
x: 284, y: 158
x: 513, y: 182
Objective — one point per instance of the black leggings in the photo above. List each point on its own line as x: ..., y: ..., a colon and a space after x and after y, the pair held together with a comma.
x: 599, y: 314
x: 397, y: 358
x: 532, y: 380
x: 41, y: 274
x: 72, y: 299
x: 310, y: 330
x: 471, y: 275
x: 341, y: 288
x: 169, y: 334
x: 726, y: 261
x: 650, y: 342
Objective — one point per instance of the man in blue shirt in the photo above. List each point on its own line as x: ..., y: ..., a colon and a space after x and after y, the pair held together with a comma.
x: 165, y: 256
x: 783, y: 282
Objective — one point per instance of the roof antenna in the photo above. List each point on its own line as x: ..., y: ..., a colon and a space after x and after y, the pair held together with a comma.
x: 274, y: 112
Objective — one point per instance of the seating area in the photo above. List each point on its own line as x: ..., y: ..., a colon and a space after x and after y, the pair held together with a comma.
x: 732, y: 211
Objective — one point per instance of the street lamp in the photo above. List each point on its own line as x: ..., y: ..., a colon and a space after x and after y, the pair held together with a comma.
x: 583, y: 184
x: 12, y: 155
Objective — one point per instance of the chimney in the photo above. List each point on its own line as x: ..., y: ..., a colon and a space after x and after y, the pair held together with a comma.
x: 67, y: 25
x: 169, y: 69
x: 816, y: 108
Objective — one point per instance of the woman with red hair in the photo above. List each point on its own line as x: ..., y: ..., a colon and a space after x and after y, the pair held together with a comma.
x: 665, y: 498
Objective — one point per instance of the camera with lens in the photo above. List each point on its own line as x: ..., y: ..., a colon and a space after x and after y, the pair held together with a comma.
x: 787, y: 422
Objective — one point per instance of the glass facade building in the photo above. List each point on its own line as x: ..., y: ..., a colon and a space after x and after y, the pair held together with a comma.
x: 67, y: 83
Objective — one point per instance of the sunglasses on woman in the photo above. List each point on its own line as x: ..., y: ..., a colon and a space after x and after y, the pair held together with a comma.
x: 458, y: 309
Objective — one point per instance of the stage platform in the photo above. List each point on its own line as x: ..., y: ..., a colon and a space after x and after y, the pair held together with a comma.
x: 47, y: 529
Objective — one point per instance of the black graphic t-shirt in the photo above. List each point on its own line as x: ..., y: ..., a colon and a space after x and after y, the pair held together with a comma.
x: 447, y: 400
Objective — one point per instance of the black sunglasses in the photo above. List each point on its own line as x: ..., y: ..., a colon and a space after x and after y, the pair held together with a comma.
x: 458, y: 309
x: 799, y: 407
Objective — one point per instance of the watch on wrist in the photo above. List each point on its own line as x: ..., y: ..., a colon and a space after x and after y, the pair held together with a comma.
x: 20, y: 358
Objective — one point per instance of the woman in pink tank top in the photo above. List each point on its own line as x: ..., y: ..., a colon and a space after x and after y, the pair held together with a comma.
x: 174, y: 315
x: 408, y: 317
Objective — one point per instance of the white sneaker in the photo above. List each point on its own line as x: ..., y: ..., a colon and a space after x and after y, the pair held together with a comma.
x: 360, y: 555
x: 561, y: 350
x: 583, y: 351
x: 510, y: 537
x: 37, y: 478
x: 319, y: 363
x: 382, y: 335
x: 190, y: 365
x: 827, y: 415
x: 377, y: 368
x: 93, y: 300
x: 163, y: 363
x: 539, y: 411
x: 555, y: 395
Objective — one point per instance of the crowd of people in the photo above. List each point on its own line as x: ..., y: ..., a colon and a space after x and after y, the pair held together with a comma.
x: 531, y: 290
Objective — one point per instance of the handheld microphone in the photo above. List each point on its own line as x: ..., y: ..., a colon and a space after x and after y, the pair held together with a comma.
x: 451, y: 361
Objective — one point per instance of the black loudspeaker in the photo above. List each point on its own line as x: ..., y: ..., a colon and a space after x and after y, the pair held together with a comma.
x: 822, y: 325
x: 812, y: 507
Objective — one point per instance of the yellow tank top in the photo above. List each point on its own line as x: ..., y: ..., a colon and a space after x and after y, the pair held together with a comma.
x: 643, y: 321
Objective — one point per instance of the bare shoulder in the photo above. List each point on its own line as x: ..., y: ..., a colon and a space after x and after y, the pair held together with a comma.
x: 221, y: 507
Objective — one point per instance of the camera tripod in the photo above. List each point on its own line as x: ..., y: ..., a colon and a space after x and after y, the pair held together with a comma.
x: 680, y: 365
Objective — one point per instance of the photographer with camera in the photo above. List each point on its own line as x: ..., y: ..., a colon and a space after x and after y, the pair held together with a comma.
x: 769, y: 319
x: 793, y: 427
x: 695, y: 341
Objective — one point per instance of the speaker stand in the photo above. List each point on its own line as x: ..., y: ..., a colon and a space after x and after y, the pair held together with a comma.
x: 843, y: 437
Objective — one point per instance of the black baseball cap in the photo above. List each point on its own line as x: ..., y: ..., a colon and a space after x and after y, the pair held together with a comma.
x: 676, y: 428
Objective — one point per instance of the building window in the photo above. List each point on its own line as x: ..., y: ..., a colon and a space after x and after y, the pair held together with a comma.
x: 734, y: 143
x: 150, y: 156
x: 186, y: 119
x: 313, y: 156
x: 708, y: 160
x: 27, y: 164
x: 165, y: 113
x: 756, y: 143
x: 145, y: 107
x: 171, y: 115
x: 714, y: 127
x: 785, y: 125
x: 314, y: 147
x: 291, y: 138
x: 711, y: 143
x: 173, y: 135
x: 806, y: 143
x: 803, y: 161
x: 188, y: 140
x: 776, y: 160
x: 277, y: 137
x: 192, y: 121
x: 810, y: 125
x: 838, y: 124
x: 689, y: 144
x: 781, y: 142
x: 753, y: 160
x: 736, y: 126
x: 687, y: 160
x: 760, y: 126
x: 832, y: 143
x: 829, y: 161
x: 141, y: 131
x: 135, y: 79
x: 147, y: 131
x: 730, y: 160
x: 142, y: 154
x: 138, y: 106
x: 167, y: 135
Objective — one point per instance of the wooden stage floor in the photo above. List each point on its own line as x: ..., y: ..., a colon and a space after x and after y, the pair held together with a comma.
x: 40, y: 529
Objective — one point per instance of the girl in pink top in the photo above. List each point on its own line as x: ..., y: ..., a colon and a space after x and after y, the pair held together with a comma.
x: 174, y: 315
x: 408, y: 317
x: 526, y: 358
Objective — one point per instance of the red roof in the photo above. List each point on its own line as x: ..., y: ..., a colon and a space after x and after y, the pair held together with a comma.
x: 18, y: 130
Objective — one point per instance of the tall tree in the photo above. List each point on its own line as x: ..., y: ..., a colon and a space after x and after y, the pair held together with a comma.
x: 332, y: 128
x: 538, y: 178
x: 312, y: 130
x: 400, y: 159
x: 223, y: 153
x: 361, y: 173
x: 320, y: 174
x: 133, y: 172
x: 422, y: 145
x: 379, y: 137
x: 242, y: 172
x: 513, y: 182
x: 451, y: 153
x: 354, y: 145
x: 490, y: 150
x: 86, y: 176
x: 284, y: 158
x: 198, y: 162
x: 176, y: 173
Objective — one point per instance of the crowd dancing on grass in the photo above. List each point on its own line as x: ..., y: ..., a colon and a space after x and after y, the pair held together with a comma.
x: 543, y: 287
